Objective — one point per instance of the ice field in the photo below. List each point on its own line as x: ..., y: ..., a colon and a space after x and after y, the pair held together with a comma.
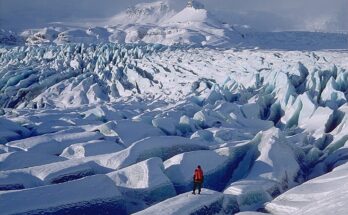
x: 114, y: 119
x: 122, y: 127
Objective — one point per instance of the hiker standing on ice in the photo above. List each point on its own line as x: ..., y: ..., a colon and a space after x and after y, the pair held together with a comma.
x: 197, y: 180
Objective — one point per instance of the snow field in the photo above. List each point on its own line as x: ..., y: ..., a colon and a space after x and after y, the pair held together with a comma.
x: 113, y: 119
x: 74, y: 196
x: 208, y: 203
x: 158, y: 23
x: 327, y: 191
x: 259, y: 123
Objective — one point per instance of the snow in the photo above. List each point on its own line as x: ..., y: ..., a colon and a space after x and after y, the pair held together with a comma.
x: 10, y: 131
x: 190, y: 14
x: 158, y: 22
x: 167, y: 125
x: 119, y: 77
x: 162, y: 146
x: 217, y: 169
x: 75, y: 196
x: 331, y: 96
x: 92, y: 127
x: 314, y: 123
x: 270, y: 173
x: 40, y: 36
x: 9, y: 38
x: 22, y: 159
x: 323, y: 195
x: 250, y: 213
x: 54, y: 143
x: 246, y: 121
x: 132, y: 131
x: 138, y: 175
x: 49, y: 173
x: 150, y: 13
x: 74, y: 36
x: 144, y: 181
x: 209, y: 202
x: 180, y: 167
x: 91, y: 148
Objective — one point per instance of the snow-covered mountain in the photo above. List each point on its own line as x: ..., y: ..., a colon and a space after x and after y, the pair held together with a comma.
x: 9, y: 38
x: 156, y: 23
x: 193, y: 25
x: 193, y: 12
x: 144, y: 13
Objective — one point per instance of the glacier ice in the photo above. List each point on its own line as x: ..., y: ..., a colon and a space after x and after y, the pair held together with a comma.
x: 23, y: 159
x: 91, y: 148
x: 90, y: 195
x: 186, y: 203
x: 269, y: 175
x: 259, y: 122
x: 144, y: 181
x: 218, y: 169
x: 163, y: 147
x: 306, y: 197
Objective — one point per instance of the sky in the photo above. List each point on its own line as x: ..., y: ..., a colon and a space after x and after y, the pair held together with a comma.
x: 263, y: 15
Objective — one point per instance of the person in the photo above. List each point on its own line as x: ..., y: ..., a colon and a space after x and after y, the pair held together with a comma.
x: 198, y: 179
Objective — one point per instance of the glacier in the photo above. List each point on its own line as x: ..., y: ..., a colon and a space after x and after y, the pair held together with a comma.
x: 261, y: 123
x: 114, y: 118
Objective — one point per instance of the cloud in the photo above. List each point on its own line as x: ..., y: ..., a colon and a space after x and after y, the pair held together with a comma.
x: 313, y: 15
x: 310, y: 15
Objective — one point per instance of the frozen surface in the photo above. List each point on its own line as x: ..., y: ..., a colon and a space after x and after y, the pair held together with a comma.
x: 326, y: 194
x: 21, y: 159
x: 217, y: 169
x: 54, y: 143
x: 278, y: 119
x: 270, y: 173
x: 130, y: 131
x: 163, y: 147
x: 11, y: 131
x: 91, y: 148
x: 92, y: 127
x: 257, y: 131
x: 157, y: 22
x: 73, y: 197
x: 144, y: 182
x: 53, y: 173
x: 209, y: 202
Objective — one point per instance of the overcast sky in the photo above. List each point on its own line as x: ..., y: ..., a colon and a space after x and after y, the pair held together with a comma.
x: 268, y: 15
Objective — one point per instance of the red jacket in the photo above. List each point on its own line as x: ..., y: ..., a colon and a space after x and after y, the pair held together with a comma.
x: 198, y: 176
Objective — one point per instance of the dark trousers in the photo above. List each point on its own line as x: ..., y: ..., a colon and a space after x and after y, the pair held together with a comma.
x: 197, y: 185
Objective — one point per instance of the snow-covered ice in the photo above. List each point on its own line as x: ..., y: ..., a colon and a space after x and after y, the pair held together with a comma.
x: 243, y: 126
x: 91, y: 195
x: 326, y: 194
x: 163, y: 147
x: 115, y: 117
x: 209, y: 202
x: 144, y: 182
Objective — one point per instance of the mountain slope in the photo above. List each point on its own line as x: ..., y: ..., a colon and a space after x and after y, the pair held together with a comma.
x: 144, y: 13
x: 158, y: 23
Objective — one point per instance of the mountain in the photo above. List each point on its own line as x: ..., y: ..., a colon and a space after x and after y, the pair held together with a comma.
x: 193, y: 25
x: 144, y: 13
x: 157, y: 23
x: 194, y: 12
x: 9, y: 38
